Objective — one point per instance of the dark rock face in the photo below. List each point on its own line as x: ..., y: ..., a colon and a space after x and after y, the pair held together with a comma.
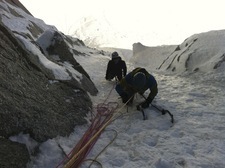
x: 32, y: 99
x: 30, y: 102
x: 13, y: 154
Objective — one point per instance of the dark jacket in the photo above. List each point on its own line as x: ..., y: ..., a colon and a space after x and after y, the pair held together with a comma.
x: 125, y: 87
x: 116, y: 68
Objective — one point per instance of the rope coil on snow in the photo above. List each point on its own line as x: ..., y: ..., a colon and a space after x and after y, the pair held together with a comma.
x: 105, y: 114
x: 86, y: 143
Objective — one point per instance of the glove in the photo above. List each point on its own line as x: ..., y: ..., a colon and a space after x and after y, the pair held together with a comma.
x: 107, y: 78
x: 143, y: 105
x: 125, y: 98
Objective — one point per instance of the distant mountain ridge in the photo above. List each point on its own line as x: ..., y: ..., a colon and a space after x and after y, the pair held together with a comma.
x: 99, y: 33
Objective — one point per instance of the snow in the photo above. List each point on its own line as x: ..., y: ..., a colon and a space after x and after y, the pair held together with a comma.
x: 22, y: 22
x: 196, y: 99
x: 201, y: 51
x: 196, y: 139
x: 58, y: 71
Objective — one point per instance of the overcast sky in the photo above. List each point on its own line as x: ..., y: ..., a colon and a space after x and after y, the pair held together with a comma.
x: 161, y: 21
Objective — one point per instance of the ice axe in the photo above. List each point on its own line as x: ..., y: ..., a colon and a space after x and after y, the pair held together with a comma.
x: 163, y: 111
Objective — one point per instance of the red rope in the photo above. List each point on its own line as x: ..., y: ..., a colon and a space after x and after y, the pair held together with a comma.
x: 104, y: 113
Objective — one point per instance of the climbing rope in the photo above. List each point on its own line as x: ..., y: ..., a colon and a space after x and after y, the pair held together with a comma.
x: 83, y: 147
x: 105, y: 114
x: 95, y: 159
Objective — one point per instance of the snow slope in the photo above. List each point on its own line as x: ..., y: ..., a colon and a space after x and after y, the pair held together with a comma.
x: 196, y: 139
x: 203, y: 52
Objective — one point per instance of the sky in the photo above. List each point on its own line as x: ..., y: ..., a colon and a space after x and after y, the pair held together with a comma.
x: 150, y: 22
x: 196, y: 139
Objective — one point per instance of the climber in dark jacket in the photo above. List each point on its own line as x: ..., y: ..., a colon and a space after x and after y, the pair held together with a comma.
x: 116, y: 68
x: 137, y: 81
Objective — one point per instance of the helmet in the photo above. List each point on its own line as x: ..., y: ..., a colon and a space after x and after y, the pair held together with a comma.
x: 115, y: 55
x: 139, y: 80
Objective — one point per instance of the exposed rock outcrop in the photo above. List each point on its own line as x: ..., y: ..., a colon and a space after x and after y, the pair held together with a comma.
x: 33, y: 101
x: 13, y: 154
x: 30, y: 102
x: 58, y: 50
x: 44, y: 90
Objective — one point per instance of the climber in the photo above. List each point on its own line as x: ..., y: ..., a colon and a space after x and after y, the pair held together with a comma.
x: 137, y: 81
x: 116, y: 68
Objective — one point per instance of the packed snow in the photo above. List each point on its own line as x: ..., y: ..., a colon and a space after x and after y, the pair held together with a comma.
x: 194, y: 97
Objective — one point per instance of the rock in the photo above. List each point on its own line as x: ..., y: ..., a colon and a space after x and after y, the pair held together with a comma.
x: 32, y: 99
x: 56, y: 47
x: 30, y: 102
x: 13, y: 154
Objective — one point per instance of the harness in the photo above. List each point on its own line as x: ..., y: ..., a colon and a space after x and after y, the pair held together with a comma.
x: 139, y: 69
